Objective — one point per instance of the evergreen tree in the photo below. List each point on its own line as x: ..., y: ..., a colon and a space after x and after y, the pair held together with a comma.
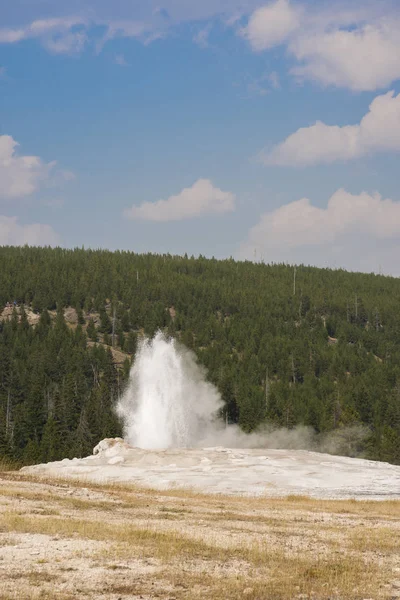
x: 92, y: 331
x: 131, y: 343
x: 105, y: 322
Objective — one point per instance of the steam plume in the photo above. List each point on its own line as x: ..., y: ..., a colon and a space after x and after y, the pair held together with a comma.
x: 169, y: 404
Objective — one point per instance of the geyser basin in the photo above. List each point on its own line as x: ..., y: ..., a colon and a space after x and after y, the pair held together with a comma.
x: 169, y: 412
x: 227, y: 471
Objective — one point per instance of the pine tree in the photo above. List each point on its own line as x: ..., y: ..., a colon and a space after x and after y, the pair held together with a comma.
x: 105, y: 322
x: 131, y: 343
x: 91, y: 331
x: 50, y: 445
x: 82, y: 439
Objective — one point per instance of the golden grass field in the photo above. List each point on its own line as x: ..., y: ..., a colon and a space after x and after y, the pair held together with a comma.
x: 69, y: 540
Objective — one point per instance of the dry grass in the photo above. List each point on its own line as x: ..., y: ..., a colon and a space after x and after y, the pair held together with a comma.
x: 381, y: 539
x: 34, y: 577
x: 130, y: 542
x: 7, y: 465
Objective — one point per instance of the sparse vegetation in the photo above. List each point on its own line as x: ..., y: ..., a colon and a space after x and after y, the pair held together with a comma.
x: 215, y: 547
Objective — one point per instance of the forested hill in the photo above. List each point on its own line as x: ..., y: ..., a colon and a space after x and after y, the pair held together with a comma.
x: 312, y: 346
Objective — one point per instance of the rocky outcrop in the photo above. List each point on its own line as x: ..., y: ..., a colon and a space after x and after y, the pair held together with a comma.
x: 111, y: 447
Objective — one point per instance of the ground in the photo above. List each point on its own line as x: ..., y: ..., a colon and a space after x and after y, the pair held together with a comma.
x: 69, y: 540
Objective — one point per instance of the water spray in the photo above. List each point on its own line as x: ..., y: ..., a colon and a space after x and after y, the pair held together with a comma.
x: 168, y: 402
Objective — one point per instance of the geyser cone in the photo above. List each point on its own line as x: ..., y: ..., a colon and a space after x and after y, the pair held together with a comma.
x: 168, y: 402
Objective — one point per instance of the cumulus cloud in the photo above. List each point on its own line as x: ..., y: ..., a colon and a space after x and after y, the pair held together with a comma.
x: 362, y: 59
x: 272, y: 24
x: 378, y: 131
x: 20, y: 175
x: 361, y: 232
x: 200, y: 199
x: 12, y: 233
x: 332, y: 44
x: 354, y: 48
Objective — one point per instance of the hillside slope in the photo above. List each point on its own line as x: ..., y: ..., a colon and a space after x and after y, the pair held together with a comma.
x: 316, y: 347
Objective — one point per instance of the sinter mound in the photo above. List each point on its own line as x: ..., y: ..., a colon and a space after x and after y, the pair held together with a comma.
x: 232, y: 471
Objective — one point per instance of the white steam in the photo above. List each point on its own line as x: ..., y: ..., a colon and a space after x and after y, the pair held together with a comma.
x: 169, y: 404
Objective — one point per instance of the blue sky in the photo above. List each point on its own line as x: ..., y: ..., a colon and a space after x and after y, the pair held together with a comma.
x: 259, y: 130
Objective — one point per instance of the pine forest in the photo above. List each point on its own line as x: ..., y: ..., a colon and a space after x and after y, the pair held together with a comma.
x: 286, y: 346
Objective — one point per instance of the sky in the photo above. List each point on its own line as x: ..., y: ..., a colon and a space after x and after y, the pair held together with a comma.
x: 266, y: 131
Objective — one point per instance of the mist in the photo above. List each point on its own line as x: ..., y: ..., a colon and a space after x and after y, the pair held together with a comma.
x: 169, y: 403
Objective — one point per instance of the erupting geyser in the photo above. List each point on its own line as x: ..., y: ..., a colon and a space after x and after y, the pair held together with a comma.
x: 168, y: 402
x: 170, y: 415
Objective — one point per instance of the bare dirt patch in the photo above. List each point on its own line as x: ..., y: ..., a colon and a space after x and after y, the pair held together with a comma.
x: 7, y: 313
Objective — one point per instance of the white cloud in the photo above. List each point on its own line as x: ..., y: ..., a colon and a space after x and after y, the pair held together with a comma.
x: 20, y: 175
x: 58, y: 35
x: 359, y: 232
x: 362, y: 59
x: 11, y: 36
x: 99, y: 21
x: 13, y: 233
x: 378, y: 131
x: 200, y: 199
x: 332, y: 44
x: 70, y: 35
x: 271, y: 25
x: 355, y: 48
x: 67, y: 43
x: 123, y: 28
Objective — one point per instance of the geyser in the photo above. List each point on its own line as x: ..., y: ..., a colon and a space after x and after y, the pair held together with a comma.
x: 168, y: 402
x: 169, y: 406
